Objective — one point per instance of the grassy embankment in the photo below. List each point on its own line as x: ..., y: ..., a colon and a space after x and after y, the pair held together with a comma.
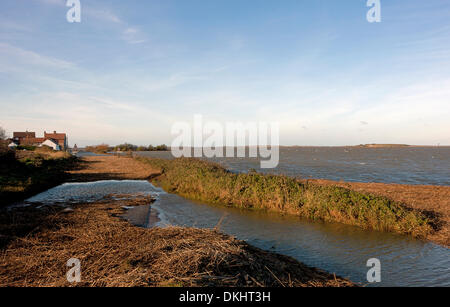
x: 209, y: 182
x: 25, y: 173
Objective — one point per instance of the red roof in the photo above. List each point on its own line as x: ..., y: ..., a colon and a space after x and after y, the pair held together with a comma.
x: 29, y: 138
x: 32, y: 141
x: 55, y: 136
x: 24, y: 134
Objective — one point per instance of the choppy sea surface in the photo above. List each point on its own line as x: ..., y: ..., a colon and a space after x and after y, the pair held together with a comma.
x: 403, y: 165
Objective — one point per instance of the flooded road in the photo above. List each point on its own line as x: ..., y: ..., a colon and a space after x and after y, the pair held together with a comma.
x: 336, y: 248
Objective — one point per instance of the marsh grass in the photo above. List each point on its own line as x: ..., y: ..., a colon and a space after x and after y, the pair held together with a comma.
x: 205, y: 181
x: 23, y: 174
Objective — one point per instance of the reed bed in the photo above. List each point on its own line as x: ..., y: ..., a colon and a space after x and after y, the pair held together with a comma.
x: 209, y: 182
x: 114, y: 253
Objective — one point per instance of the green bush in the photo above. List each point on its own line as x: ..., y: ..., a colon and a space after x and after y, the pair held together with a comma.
x: 26, y: 147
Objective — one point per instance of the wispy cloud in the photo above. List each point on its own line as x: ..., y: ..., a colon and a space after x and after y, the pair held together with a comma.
x: 13, y: 57
x: 128, y: 33
x: 115, y: 105
x: 88, y: 10
x: 133, y: 35
x: 128, y: 73
x: 102, y: 15
x: 80, y: 115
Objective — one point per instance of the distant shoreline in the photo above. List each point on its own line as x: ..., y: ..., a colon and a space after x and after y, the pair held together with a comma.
x: 310, y: 146
x: 395, y: 146
x: 369, y: 146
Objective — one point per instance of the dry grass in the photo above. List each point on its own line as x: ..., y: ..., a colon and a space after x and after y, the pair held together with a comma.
x: 42, y: 153
x: 114, y: 253
x: 111, y: 167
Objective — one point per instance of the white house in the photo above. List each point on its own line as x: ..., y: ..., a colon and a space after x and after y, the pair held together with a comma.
x: 52, y: 144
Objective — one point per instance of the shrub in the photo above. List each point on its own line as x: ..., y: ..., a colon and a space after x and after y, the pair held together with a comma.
x: 125, y: 147
x: 26, y: 147
x: 103, y: 148
x: 130, y: 147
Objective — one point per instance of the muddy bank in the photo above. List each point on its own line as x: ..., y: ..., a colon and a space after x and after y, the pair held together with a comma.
x: 115, y: 253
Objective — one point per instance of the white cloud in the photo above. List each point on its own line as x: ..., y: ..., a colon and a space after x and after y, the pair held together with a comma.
x: 88, y: 120
x: 417, y: 114
x: 133, y: 35
x: 101, y: 14
x: 130, y: 34
x: 12, y: 57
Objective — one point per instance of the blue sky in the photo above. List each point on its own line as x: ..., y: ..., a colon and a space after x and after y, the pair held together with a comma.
x: 132, y: 68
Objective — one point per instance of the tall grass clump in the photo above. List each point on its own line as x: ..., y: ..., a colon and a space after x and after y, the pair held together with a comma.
x: 23, y: 174
x: 205, y: 181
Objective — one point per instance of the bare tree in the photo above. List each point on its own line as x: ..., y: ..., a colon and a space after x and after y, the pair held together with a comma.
x: 3, y: 144
x: 2, y: 134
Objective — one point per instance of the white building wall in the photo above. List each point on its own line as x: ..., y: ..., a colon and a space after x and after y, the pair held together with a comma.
x: 51, y: 144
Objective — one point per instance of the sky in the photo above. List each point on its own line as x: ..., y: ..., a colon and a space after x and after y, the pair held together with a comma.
x: 131, y: 69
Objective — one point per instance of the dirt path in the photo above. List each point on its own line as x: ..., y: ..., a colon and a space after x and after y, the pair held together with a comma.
x: 111, y: 168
